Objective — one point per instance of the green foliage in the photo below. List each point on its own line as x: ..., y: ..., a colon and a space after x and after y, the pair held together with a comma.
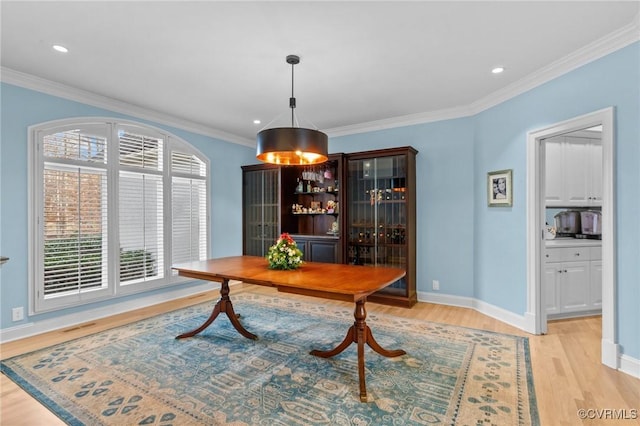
x: 136, y: 264
x: 77, y: 263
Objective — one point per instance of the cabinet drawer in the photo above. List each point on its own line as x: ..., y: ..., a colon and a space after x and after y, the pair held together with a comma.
x: 567, y: 254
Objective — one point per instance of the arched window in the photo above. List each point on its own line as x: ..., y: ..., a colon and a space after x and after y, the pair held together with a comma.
x: 113, y: 205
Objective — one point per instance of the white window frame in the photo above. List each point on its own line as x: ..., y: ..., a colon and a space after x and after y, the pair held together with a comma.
x: 37, y: 302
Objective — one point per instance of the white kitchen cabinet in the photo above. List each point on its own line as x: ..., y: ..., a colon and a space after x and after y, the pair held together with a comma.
x: 551, y: 289
x: 573, y: 175
x: 572, y: 281
x: 554, y: 171
x: 595, y: 177
x: 595, y: 287
x: 574, y: 287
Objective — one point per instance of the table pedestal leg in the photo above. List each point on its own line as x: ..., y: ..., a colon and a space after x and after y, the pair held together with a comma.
x: 222, y: 306
x: 359, y: 333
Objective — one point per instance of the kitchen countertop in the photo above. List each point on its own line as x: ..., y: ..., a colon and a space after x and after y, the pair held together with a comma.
x: 572, y: 242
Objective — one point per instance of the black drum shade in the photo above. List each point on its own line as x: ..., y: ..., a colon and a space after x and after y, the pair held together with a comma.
x: 291, y: 146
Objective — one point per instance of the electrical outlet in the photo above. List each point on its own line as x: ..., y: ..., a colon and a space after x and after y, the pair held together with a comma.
x: 17, y: 314
x: 436, y: 285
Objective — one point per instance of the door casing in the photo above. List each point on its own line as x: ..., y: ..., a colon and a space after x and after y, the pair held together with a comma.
x: 535, y: 317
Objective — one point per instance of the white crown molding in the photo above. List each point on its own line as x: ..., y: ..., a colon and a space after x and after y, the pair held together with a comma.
x: 616, y: 40
x: 28, y: 81
x: 608, y: 44
x: 402, y: 121
x: 591, y: 52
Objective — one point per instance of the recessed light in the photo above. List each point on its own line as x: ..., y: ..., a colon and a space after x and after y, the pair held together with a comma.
x: 256, y: 121
x: 497, y: 70
x: 60, y: 48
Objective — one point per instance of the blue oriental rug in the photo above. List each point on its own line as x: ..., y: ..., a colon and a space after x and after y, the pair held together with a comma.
x: 139, y: 374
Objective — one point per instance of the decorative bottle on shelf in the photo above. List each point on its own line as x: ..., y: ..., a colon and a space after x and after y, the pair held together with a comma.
x: 308, y: 186
x: 300, y: 186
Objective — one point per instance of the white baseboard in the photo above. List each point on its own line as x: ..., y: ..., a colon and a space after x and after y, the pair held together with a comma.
x: 445, y: 299
x: 530, y: 325
x: 488, y: 309
x: 38, y: 327
x: 610, y: 354
x: 500, y: 314
x: 630, y: 366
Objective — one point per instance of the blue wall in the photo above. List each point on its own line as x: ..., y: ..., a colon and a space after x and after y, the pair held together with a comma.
x: 444, y: 199
x: 473, y: 250
x: 500, y: 142
x: 480, y: 251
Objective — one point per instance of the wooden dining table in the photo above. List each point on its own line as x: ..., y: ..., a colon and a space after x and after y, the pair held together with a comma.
x: 351, y: 283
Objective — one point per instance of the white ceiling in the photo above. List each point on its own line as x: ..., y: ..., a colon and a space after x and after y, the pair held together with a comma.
x: 220, y: 65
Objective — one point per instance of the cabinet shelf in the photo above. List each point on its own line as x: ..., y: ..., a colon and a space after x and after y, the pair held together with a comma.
x: 378, y: 202
x: 375, y: 244
x: 315, y: 214
x: 334, y: 193
x: 379, y: 226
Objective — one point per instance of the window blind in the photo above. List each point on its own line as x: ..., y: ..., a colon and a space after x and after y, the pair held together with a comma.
x: 74, y: 214
x: 189, y: 208
x: 76, y: 145
x: 141, y: 214
x: 104, y: 194
x: 140, y: 151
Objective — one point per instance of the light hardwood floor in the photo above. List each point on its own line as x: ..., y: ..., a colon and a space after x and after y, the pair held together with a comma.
x: 568, y: 375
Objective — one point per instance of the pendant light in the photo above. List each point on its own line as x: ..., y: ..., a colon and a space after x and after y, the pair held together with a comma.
x: 292, y: 145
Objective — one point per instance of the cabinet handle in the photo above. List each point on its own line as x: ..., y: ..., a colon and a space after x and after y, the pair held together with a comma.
x: 560, y: 271
x: 565, y: 270
x: 577, y: 254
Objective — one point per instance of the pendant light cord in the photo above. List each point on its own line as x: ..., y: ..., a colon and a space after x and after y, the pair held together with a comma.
x: 292, y: 99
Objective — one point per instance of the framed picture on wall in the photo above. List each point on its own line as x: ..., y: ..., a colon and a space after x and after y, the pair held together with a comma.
x: 500, y: 188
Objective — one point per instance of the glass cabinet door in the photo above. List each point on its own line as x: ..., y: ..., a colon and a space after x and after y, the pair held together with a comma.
x: 260, y: 210
x: 377, y: 214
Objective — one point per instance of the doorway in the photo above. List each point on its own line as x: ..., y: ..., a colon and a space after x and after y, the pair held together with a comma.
x: 536, y: 318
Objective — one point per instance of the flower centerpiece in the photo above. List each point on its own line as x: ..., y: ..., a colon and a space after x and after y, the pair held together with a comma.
x: 284, y: 254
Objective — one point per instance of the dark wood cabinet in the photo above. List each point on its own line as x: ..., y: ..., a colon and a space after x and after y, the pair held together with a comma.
x: 381, y: 217
x: 356, y: 208
x: 260, y: 208
x: 303, y: 201
x: 319, y: 249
